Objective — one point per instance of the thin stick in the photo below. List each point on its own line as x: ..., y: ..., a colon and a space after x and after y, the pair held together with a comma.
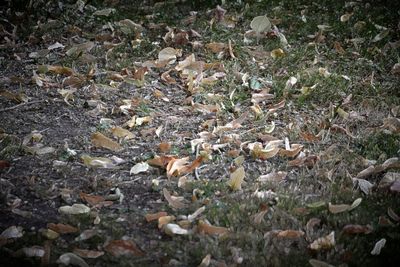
x: 20, y: 105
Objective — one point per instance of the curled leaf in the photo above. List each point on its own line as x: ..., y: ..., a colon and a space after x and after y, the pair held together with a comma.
x: 174, y: 229
x: 236, y: 179
x: 322, y: 243
x: 173, y: 201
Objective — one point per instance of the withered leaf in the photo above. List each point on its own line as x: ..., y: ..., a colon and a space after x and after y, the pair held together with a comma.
x: 123, y: 247
x: 100, y: 140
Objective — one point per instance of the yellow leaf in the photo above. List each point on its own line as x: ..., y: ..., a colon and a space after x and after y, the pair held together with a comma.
x: 236, y: 179
x: 99, y: 140
x: 277, y: 53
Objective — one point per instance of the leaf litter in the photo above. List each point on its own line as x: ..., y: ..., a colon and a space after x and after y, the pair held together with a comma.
x: 152, y: 138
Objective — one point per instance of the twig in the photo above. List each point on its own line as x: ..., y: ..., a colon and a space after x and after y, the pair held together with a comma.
x: 20, y: 105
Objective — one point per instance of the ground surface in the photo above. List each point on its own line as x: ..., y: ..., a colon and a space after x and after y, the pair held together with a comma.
x: 229, y: 147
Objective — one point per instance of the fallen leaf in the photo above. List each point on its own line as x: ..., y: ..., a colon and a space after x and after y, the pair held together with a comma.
x: 259, y: 216
x: 260, y: 24
x: 270, y: 150
x: 236, y: 179
x: 393, y: 215
x: 121, y: 133
x: 205, y: 228
x: 164, y: 220
x: 277, y: 53
x: 380, y: 35
x: 177, y: 167
x: 290, y: 234
x: 194, y: 215
x: 72, y: 259
x: 60, y: 70
x: 97, y: 162
x: 99, y: 140
x: 172, y: 229
x: 74, y: 209
x: 91, y: 199
x: 160, y: 161
x: 106, y: 12
x: 123, y: 247
x: 346, y: 17
x: 173, y: 202
x: 205, y: 262
x: 292, y: 152
x: 273, y: 177
x: 62, y: 228
x: 169, y: 55
x: 378, y: 247
x: 357, y: 229
x: 90, y: 254
x: 318, y: 263
x: 155, y: 216
x: 164, y: 147
x: 324, y: 243
x: 139, y: 167
x: 30, y: 252
x: 12, y: 232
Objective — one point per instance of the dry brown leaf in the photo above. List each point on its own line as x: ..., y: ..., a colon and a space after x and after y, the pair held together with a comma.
x: 290, y: 234
x: 308, y: 161
x: 62, y: 228
x: 205, y: 228
x: 123, y: 247
x: 338, y: 47
x: 173, y: 201
x: 164, y: 147
x: 292, y: 152
x: 177, y: 167
x: 85, y: 253
x: 74, y: 81
x: 309, y: 137
x: 160, y: 161
x: 121, y: 133
x: 154, y: 216
x: 99, y: 140
x: 60, y: 70
x: 275, y: 107
x: 357, y: 229
x: 216, y: 47
x: 91, y: 199
x: 261, y: 96
x: 338, y: 208
x: 166, y: 77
